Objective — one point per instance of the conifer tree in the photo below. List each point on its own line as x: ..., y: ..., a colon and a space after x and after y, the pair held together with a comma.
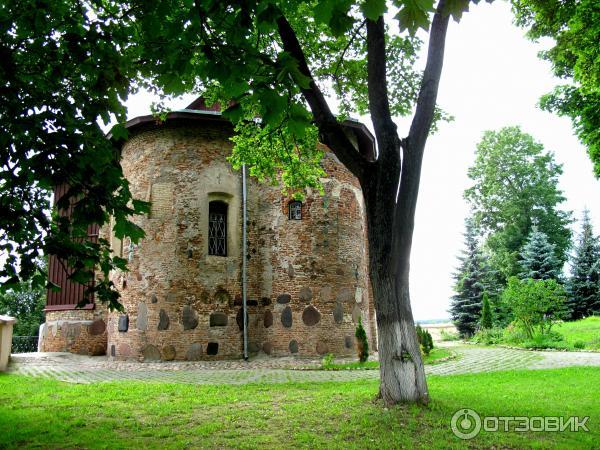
x: 494, y: 284
x: 538, y: 258
x: 487, y: 321
x: 465, y: 308
x: 583, y: 286
x: 362, y: 343
x: 425, y: 340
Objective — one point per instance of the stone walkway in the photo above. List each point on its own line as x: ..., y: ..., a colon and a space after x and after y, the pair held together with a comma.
x: 83, y: 369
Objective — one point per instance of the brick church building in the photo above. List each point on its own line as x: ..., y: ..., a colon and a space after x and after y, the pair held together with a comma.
x: 306, y: 281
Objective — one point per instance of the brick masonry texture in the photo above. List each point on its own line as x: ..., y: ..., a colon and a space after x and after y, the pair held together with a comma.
x: 183, y: 303
x: 81, y: 332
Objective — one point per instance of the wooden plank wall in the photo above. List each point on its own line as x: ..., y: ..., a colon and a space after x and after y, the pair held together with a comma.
x: 71, y: 293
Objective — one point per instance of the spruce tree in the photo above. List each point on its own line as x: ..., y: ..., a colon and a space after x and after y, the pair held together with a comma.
x: 583, y: 286
x: 465, y: 308
x: 538, y: 258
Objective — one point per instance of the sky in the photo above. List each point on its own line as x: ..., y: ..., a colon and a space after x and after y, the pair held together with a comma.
x: 492, y: 78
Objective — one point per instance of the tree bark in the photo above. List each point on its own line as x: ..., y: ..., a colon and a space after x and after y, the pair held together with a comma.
x: 402, y: 375
x: 391, y: 188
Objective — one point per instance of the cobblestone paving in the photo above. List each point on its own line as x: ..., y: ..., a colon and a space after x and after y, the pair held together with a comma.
x: 81, y: 369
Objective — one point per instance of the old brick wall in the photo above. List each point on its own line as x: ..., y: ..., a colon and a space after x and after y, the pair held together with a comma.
x: 75, y: 331
x: 180, y: 302
x: 307, y: 279
x: 314, y: 270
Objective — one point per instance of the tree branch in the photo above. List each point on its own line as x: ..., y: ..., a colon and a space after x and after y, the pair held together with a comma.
x: 331, y: 131
x: 346, y: 48
x: 414, y: 144
x: 421, y: 123
x: 385, y: 128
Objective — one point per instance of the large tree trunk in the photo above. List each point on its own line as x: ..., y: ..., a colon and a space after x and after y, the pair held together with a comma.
x: 391, y: 188
x: 390, y: 228
x: 390, y: 208
x: 402, y: 376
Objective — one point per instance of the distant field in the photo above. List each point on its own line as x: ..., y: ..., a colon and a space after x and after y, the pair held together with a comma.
x: 436, y: 329
x: 432, y: 321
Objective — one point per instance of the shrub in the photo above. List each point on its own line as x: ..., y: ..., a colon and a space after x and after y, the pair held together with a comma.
x: 535, y: 304
x: 419, y: 333
x: 425, y: 340
x: 515, y: 334
x: 362, y: 344
x: 543, y: 341
x: 428, y: 345
x: 579, y: 345
x: 449, y: 336
x: 26, y: 303
x: 488, y: 336
x: 327, y: 360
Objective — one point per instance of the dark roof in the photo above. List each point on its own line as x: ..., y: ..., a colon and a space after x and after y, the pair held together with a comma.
x: 366, y: 140
x: 183, y: 114
x: 200, y: 105
x: 200, y: 112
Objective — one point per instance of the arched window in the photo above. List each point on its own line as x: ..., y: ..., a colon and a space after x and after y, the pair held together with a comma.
x: 217, y: 228
x: 295, y: 210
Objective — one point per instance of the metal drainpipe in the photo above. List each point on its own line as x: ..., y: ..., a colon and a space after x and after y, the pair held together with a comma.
x: 244, y: 262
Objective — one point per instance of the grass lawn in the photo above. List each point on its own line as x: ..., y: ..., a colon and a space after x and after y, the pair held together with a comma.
x: 582, y: 334
x: 39, y: 413
x: 585, y: 331
x: 434, y: 356
x: 437, y: 354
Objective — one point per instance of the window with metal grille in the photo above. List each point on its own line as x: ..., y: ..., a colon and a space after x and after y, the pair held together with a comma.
x: 295, y: 210
x: 217, y: 228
